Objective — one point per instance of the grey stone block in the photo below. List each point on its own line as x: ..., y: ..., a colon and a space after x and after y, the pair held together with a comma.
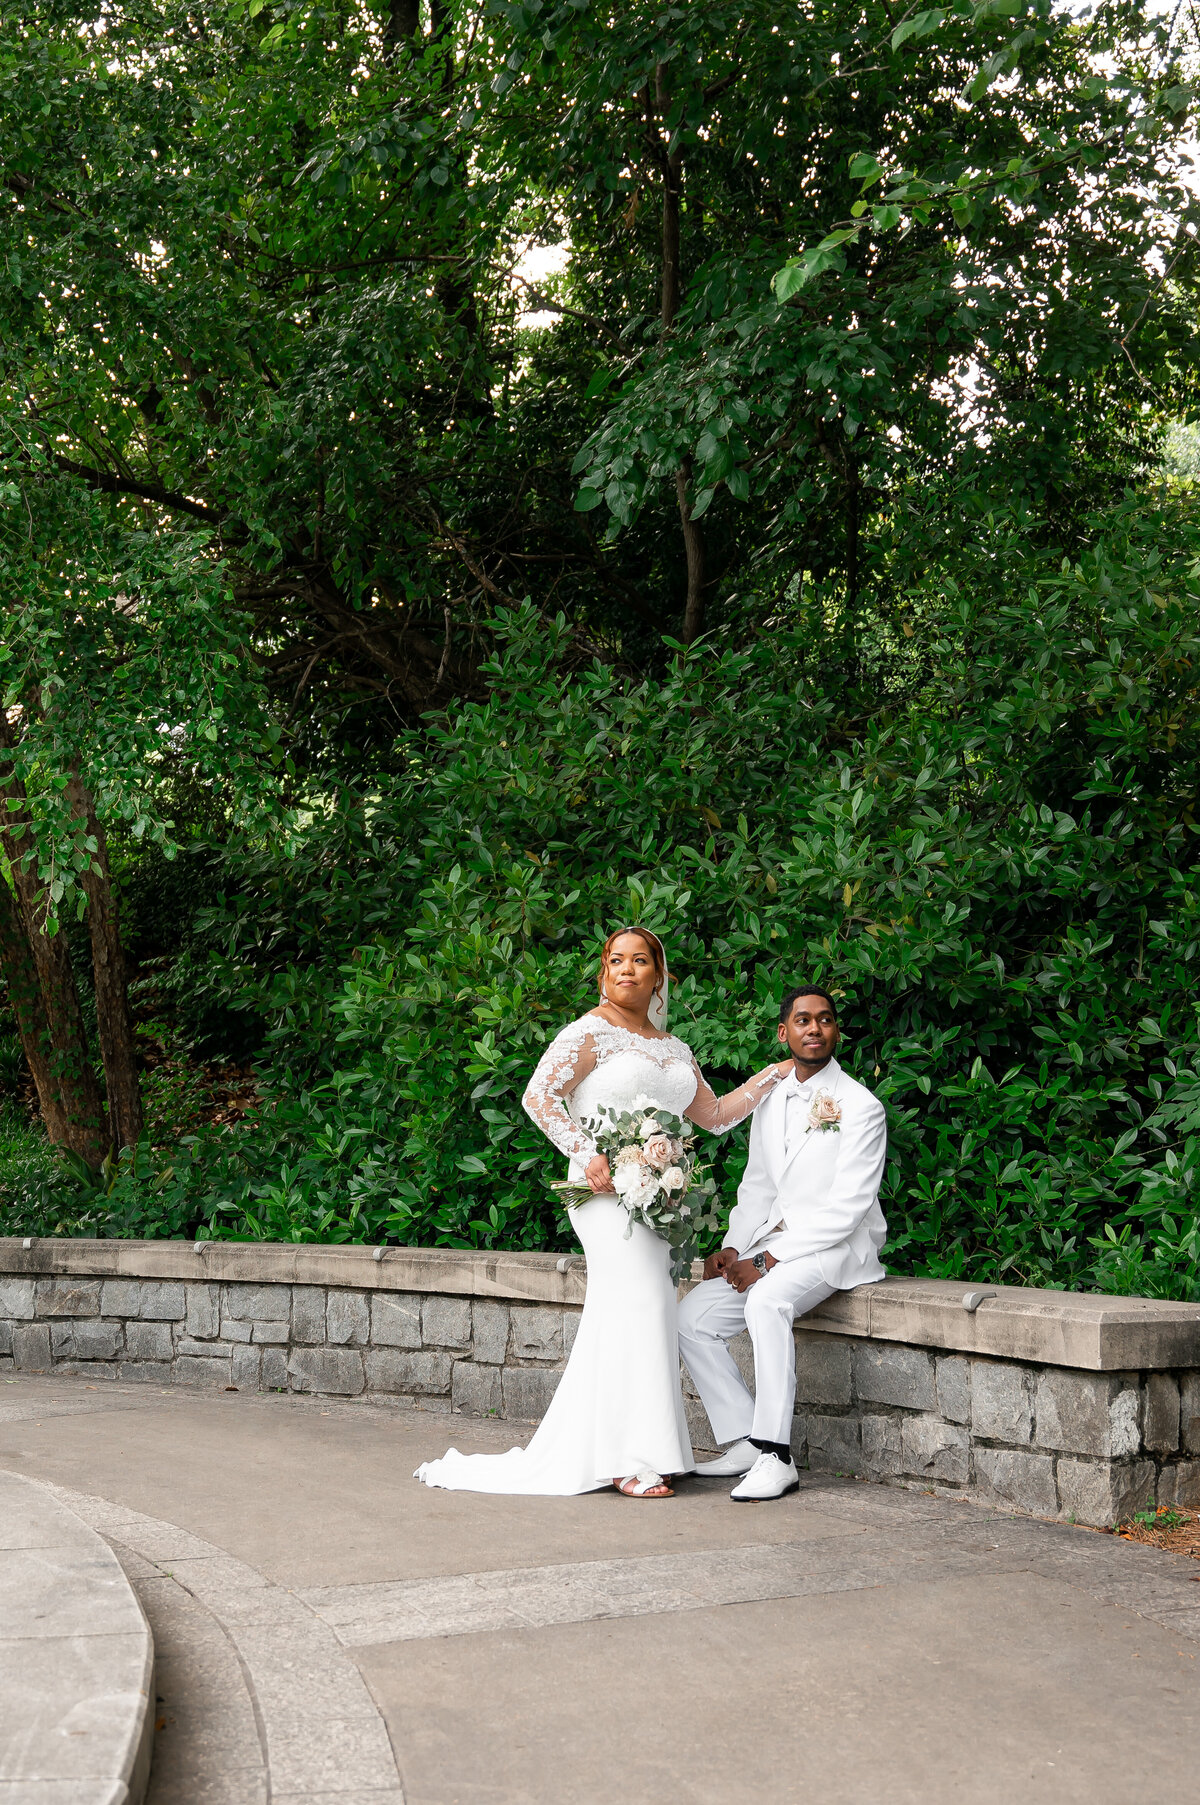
x: 257, y: 1303
x: 954, y: 1388
x: 68, y: 1297
x: 308, y: 1314
x: 700, y: 1429
x: 742, y: 1349
x: 203, y: 1319
x: 31, y: 1347
x: 16, y: 1299
x: 86, y: 1369
x: 206, y: 1370
x: 326, y: 1369
x: 274, y: 1369
x: 799, y: 1440
x: 822, y: 1368
x: 1001, y: 1405
x: 833, y: 1444
x: 396, y: 1319
x: 420, y: 1373
x: 6, y: 1364
x: 148, y: 1341
x: 237, y: 1331
x: 570, y: 1328
x: 163, y: 1300
x: 1160, y: 1427
x: 246, y: 1368
x: 1086, y: 1413
x: 446, y: 1322
x: 536, y: 1332
x: 1179, y: 1484
x: 489, y: 1330
x: 934, y: 1449
x: 888, y: 1373
x: 6, y: 1335
x: 347, y: 1319
x: 477, y: 1390
x: 186, y: 1349
x: 528, y: 1390
x: 144, y: 1372
x: 85, y: 1340
x: 1017, y: 1476
x: 1103, y: 1492
x: 881, y: 1446
x: 1189, y: 1411
x: 121, y: 1297
x: 274, y: 1332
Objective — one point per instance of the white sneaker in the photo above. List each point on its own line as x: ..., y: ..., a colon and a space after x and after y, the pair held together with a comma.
x: 769, y: 1477
x: 735, y: 1461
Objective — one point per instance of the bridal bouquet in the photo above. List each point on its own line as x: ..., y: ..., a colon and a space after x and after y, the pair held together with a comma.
x: 655, y: 1176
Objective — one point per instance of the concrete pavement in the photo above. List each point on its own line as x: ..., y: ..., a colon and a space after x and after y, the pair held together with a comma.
x: 327, y: 1630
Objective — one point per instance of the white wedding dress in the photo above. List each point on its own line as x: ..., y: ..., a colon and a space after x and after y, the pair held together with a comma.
x: 618, y: 1409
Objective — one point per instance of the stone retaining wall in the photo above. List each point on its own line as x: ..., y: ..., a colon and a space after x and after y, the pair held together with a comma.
x: 485, y: 1356
x: 1055, y: 1403
x: 1050, y: 1440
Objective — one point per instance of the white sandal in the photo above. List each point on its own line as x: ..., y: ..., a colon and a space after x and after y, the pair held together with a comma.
x: 644, y: 1485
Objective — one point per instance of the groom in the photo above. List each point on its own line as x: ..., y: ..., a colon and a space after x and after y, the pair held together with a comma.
x: 807, y: 1223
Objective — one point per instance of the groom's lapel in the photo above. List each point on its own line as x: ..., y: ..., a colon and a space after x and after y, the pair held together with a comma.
x: 829, y: 1082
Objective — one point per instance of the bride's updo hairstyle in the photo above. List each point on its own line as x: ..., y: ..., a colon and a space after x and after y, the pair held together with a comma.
x: 653, y: 946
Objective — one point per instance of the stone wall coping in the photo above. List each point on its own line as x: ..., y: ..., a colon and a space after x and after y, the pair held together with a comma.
x: 533, y: 1277
x: 1013, y: 1322
x: 1055, y: 1328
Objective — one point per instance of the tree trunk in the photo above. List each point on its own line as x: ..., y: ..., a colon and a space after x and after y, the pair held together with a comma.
x: 113, y: 1025
x: 852, y: 531
x: 25, y: 995
x: 81, y: 1122
x: 671, y: 166
x: 403, y: 23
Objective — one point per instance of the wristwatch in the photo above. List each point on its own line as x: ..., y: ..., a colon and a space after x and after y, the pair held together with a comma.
x: 759, y: 1262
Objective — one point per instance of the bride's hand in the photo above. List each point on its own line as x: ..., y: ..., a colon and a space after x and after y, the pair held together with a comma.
x: 598, y: 1173
x: 784, y: 1066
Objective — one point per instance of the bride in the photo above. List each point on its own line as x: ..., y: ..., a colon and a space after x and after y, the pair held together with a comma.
x: 617, y: 1415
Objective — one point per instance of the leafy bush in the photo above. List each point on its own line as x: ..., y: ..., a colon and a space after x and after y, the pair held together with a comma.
x: 982, y: 840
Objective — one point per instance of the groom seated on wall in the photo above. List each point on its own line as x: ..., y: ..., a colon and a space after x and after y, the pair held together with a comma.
x: 807, y: 1223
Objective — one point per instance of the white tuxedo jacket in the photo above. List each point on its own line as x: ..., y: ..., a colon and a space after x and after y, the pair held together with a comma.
x: 824, y: 1189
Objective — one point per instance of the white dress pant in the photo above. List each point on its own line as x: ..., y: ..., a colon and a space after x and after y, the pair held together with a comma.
x: 713, y: 1313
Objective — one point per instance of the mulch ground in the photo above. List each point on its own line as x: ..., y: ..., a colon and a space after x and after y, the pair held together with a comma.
x: 1170, y: 1526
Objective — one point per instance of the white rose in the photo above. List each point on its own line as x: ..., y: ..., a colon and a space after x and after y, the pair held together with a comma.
x: 649, y: 1126
x: 672, y: 1179
x: 643, y: 1190
x: 627, y: 1178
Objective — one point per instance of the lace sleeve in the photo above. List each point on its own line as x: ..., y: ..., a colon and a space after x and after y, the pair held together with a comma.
x: 721, y: 1113
x: 566, y: 1062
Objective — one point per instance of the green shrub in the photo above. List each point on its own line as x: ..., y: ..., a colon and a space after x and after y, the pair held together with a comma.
x: 981, y: 838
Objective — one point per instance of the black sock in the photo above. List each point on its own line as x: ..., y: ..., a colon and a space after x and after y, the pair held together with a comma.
x: 779, y: 1448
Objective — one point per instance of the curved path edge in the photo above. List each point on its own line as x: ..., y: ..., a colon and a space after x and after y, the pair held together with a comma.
x: 299, y: 1723
x: 76, y: 1658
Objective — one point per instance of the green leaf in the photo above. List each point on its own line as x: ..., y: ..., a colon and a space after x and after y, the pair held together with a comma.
x: 917, y: 27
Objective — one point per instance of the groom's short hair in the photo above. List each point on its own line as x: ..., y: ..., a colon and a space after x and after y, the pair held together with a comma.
x: 805, y: 990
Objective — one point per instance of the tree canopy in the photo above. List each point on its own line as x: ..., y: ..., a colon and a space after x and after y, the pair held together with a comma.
x: 795, y: 566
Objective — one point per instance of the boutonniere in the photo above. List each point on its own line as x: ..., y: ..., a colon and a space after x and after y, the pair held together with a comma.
x: 825, y: 1113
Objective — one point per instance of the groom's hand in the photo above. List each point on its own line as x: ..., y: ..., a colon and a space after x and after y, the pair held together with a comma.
x: 719, y: 1262
x: 744, y: 1273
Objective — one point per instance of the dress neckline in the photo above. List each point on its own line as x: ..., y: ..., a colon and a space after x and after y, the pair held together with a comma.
x: 594, y: 1015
